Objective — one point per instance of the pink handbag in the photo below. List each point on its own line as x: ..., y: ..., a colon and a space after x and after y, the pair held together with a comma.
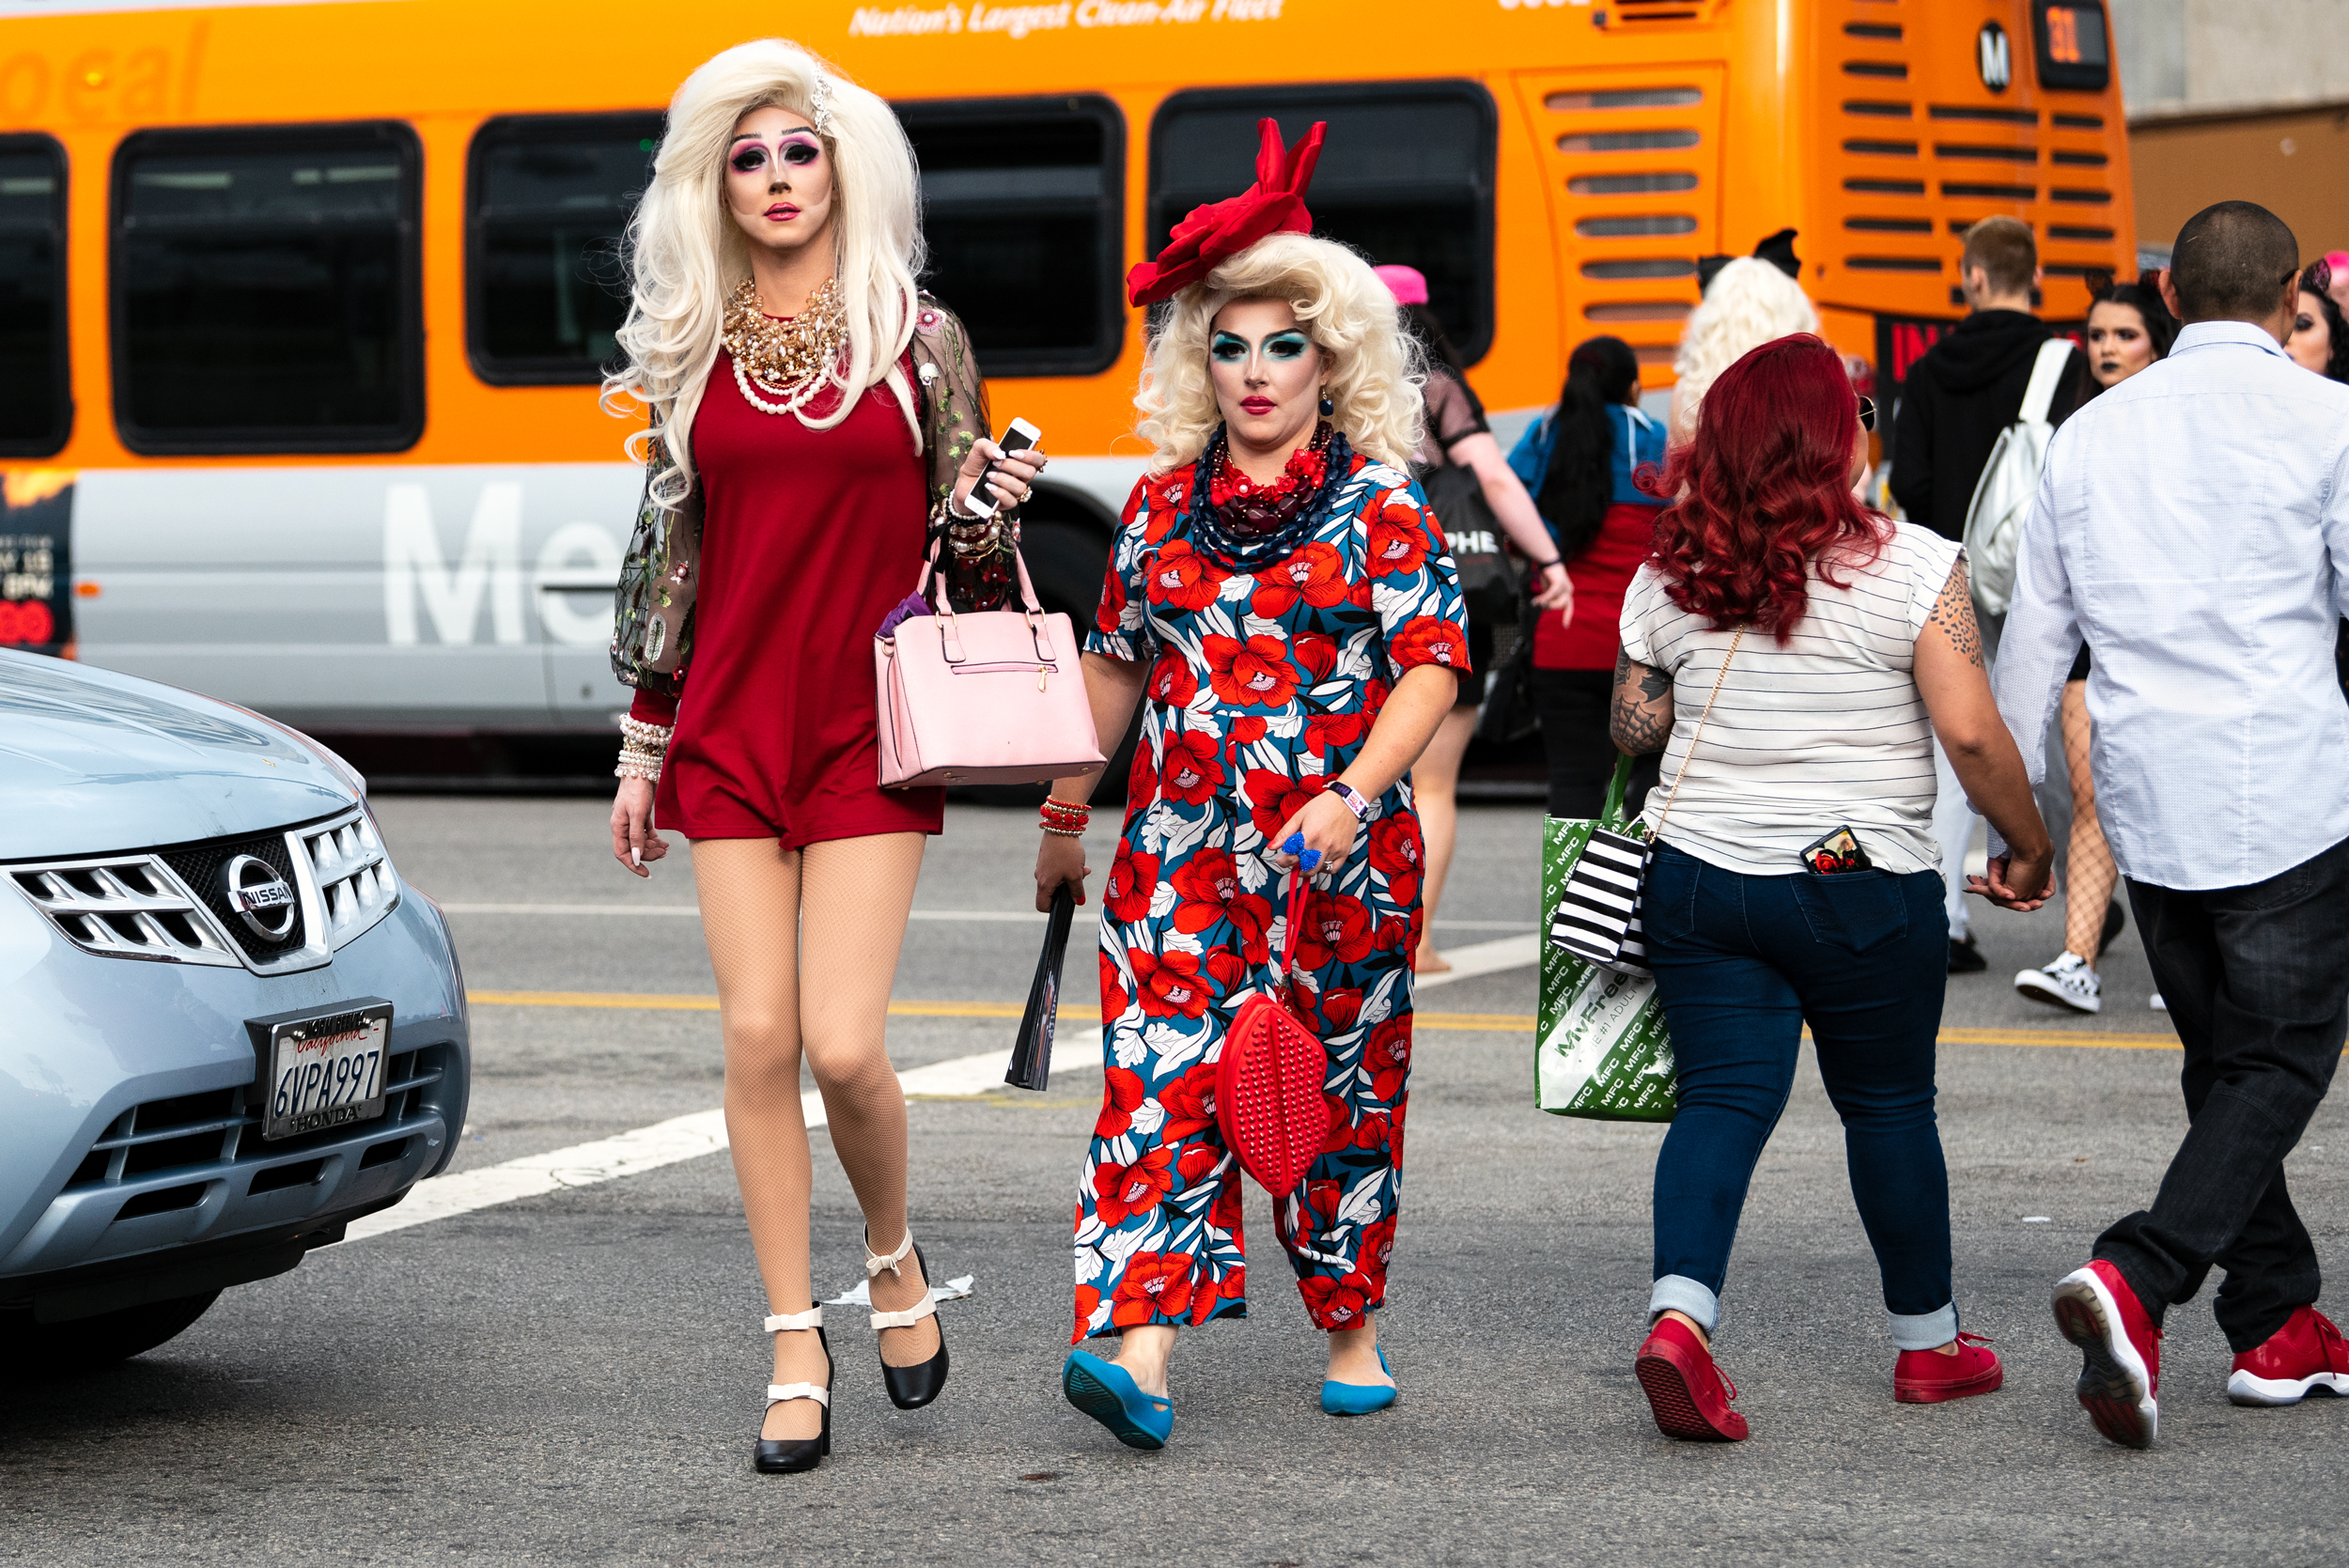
x: 993, y: 696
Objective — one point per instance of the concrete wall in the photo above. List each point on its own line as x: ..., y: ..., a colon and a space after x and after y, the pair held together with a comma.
x: 2238, y: 100
x: 2199, y: 56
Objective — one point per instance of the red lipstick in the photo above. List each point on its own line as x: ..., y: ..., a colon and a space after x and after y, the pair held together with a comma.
x: 1258, y: 406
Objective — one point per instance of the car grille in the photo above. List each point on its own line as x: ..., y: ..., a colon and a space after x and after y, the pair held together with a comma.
x: 172, y: 903
x: 352, y: 874
x: 206, y: 1136
x: 200, y: 867
x: 127, y: 907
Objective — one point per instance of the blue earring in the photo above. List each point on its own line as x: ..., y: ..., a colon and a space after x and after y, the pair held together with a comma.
x: 1327, y: 408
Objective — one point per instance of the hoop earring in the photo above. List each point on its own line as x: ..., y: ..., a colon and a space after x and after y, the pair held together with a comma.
x: 1328, y: 407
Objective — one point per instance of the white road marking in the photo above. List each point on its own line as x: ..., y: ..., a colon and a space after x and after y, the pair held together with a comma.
x: 634, y: 1152
x: 1021, y: 917
x: 1018, y: 917
x: 704, y: 1132
x: 1509, y: 952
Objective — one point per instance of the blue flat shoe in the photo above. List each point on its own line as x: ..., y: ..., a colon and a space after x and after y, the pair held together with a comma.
x: 1358, y: 1399
x: 1108, y: 1394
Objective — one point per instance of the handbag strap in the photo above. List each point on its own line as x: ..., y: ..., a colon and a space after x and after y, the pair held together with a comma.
x: 1698, y: 734
x: 1298, y: 889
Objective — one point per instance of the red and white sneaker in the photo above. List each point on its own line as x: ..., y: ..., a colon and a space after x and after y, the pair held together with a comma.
x: 1685, y: 1388
x: 2095, y: 1309
x: 2306, y: 1355
x: 1929, y: 1377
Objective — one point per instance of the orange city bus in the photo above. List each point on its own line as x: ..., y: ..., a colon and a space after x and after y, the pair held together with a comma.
x: 303, y: 307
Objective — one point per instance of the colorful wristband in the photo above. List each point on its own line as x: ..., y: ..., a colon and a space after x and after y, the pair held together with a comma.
x: 1353, y: 799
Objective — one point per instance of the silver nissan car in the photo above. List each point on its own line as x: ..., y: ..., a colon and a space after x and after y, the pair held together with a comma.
x: 228, y: 1029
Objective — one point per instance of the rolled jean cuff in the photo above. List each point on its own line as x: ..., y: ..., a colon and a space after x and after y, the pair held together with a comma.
x: 1677, y: 1292
x: 1923, y: 1331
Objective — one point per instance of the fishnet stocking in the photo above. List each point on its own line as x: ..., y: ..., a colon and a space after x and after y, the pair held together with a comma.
x: 752, y: 896
x: 2090, y: 877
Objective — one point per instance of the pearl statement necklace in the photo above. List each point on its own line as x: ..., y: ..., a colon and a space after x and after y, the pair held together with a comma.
x: 790, y: 360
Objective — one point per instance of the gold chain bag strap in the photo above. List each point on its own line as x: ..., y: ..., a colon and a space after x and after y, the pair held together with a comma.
x: 1598, y: 918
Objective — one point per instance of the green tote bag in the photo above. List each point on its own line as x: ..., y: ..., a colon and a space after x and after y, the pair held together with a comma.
x: 1600, y: 1048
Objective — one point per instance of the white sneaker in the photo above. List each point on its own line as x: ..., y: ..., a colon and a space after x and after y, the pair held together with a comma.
x: 2157, y: 1004
x: 2066, y: 982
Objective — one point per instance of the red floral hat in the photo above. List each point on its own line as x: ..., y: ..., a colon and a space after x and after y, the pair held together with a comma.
x: 1211, y: 234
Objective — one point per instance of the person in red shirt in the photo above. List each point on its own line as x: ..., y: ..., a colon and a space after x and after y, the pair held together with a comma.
x: 1582, y: 464
x: 816, y: 424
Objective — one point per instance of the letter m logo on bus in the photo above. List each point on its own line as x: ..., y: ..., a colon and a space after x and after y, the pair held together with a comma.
x: 489, y: 565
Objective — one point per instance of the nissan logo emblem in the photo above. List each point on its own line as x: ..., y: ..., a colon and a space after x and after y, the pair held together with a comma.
x: 1994, y: 57
x: 260, y: 898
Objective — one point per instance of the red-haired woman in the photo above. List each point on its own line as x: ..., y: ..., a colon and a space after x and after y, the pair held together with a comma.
x: 1797, y: 880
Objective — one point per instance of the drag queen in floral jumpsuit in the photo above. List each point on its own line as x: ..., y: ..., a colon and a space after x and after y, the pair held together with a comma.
x: 1281, y: 607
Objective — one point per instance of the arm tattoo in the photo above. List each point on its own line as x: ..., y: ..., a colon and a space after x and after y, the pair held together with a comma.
x: 1641, y: 716
x: 1953, y: 613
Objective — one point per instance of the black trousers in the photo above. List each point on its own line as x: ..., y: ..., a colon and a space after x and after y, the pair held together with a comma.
x: 1573, y: 708
x: 2257, y: 986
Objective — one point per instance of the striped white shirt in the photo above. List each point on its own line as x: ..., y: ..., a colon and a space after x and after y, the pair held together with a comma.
x: 1826, y: 730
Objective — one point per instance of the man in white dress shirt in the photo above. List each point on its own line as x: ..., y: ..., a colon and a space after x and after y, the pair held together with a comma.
x: 2193, y: 525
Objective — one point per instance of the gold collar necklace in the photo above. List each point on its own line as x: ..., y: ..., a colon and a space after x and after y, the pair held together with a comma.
x: 790, y: 360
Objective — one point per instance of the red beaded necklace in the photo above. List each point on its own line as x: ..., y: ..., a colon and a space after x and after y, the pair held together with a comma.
x: 1247, y: 506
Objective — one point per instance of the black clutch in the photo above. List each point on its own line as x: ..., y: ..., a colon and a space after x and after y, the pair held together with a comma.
x: 1031, y: 1054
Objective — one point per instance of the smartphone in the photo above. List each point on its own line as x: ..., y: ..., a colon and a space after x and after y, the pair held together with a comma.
x: 1018, y: 437
x: 1837, y: 853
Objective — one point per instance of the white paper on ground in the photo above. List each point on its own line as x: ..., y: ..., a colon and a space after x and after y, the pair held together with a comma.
x: 860, y: 1293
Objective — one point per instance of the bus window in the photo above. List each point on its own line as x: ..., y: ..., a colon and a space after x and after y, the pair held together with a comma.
x: 37, y: 413
x: 1022, y: 204
x: 546, y: 199
x: 266, y: 289
x: 1406, y: 175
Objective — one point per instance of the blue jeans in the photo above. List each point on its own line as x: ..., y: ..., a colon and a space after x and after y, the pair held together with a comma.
x: 1742, y: 963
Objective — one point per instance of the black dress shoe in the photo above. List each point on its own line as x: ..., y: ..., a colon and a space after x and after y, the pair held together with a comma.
x: 1965, y: 957
x: 790, y: 1455
x: 910, y: 1387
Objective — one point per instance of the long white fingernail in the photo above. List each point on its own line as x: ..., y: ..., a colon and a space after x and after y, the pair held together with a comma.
x: 636, y: 857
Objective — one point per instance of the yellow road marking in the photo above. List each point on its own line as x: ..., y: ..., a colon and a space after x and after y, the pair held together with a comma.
x: 1497, y: 1023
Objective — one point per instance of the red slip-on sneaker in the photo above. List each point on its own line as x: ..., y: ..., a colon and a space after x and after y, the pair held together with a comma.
x: 1685, y: 1388
x: 2121, y: 1373
x: 1928, y: 1378
x: 2306, y: 1355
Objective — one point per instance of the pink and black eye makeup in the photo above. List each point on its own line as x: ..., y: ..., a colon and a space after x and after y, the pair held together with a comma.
x: 795, y: 150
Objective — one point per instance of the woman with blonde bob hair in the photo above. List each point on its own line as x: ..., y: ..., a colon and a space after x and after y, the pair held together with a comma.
x: 1280, y: 605
x: 816, y: 426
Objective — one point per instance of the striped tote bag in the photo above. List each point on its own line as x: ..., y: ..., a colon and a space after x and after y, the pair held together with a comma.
x: 1598, y: 916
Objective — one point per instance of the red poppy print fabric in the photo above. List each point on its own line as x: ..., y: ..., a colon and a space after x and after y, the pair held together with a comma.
x: 1262, y: 688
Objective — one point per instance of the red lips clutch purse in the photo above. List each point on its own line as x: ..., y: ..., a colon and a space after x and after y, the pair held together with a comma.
x: 1268, y: 1082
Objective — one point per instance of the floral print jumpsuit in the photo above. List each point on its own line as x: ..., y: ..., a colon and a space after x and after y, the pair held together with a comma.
x: 1263, y: 688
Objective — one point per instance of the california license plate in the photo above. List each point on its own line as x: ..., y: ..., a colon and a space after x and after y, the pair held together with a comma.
x: 324, y: 1070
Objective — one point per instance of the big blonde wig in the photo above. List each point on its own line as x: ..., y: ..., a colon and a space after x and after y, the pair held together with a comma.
x: 686, y: 254
x: 1751, y: 303
x: 1376, y: 367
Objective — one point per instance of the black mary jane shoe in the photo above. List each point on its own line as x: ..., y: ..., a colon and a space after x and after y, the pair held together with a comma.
x: 910, y: 1387
x: 790, y: 1455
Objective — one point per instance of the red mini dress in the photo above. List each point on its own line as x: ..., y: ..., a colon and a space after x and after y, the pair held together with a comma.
x: 808, y: 538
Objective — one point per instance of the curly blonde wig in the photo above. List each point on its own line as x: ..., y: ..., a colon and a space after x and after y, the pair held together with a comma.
x: 686, y: 254
x: 1751, y: 303
x: 1377, y: 368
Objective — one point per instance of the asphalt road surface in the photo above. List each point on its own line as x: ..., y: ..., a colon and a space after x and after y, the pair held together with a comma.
x: 575, y: 1377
